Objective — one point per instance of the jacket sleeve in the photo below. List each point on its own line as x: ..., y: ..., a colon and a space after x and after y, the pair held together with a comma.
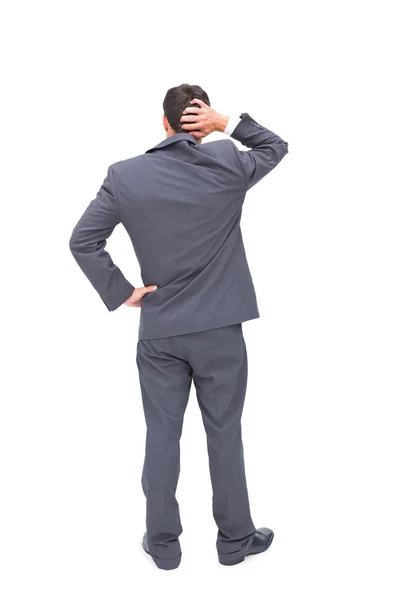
x: 267, y: 149
x: 88, y: 241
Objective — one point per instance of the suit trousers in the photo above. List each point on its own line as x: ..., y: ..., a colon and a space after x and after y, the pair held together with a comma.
x: 216, y: 361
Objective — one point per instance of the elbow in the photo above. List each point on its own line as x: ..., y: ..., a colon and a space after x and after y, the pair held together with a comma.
x: 78, y: 239
x: 81, y: 243
x: 74, y: 243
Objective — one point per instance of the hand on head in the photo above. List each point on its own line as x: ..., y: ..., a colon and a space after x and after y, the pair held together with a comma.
x: 202, y: 120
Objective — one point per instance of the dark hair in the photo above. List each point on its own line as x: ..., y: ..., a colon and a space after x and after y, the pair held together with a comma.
x: 177, y: 99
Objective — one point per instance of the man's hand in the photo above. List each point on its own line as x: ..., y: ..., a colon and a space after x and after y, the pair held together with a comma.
x: 205, y: 118
x: 136, y: 298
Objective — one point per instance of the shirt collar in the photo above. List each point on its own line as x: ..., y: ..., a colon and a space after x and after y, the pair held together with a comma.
x: 177, y: 137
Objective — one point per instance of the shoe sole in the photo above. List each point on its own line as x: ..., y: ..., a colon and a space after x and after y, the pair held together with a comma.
x: 230, y: 562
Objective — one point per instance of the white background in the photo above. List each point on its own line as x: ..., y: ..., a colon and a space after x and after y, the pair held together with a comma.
x: 83, y: 88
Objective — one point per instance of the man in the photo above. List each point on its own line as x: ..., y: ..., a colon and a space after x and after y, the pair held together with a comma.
x: 181, y: 204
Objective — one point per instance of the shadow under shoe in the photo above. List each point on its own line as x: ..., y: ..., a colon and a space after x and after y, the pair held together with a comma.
x: 167, y: 564
x: 262, y: 540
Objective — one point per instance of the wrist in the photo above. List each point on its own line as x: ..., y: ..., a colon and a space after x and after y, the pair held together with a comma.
x: 221, y: 123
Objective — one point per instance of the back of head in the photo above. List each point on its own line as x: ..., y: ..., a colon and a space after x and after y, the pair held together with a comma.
x: 177, y: 99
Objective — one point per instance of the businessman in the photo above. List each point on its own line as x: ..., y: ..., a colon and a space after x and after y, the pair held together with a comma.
x: 181, y: 204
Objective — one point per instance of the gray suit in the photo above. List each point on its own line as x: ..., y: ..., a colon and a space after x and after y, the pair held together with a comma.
x: 181, y: 204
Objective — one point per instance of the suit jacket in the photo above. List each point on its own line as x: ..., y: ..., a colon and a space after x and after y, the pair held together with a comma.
x: 181, y: 204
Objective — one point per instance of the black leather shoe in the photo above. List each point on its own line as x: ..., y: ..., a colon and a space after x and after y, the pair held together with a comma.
x: 261, y: 542
x: 162, y: 563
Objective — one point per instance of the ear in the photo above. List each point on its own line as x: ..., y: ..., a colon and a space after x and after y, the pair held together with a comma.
x: 165, y: 123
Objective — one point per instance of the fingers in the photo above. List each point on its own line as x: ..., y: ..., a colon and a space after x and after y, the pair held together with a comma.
x: 189, y: 118
x: 190, y: 126
x: 136, y: 298
x: 197, y: 101
x: 191, y: 109
x: 192, y: 118
x: 195, y: 109
x: 144, y: 290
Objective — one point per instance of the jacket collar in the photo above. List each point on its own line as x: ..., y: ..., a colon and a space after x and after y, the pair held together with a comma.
x: 177, y: 137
